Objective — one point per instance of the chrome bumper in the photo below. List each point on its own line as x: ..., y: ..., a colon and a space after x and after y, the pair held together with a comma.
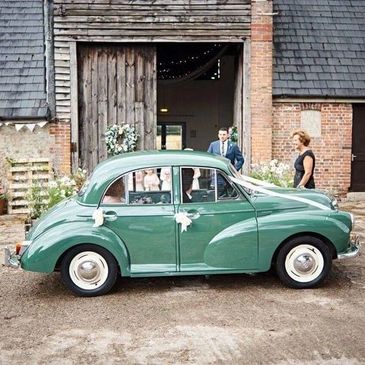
x: 11, y: 259
x: 353, y: 250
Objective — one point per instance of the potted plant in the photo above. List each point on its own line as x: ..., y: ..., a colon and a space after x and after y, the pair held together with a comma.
x: 3, y: 200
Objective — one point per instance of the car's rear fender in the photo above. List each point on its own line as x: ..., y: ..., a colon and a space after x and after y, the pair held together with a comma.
x: 45, y: 251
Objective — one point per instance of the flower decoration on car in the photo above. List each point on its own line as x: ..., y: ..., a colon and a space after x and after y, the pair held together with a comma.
x: 120, y: 139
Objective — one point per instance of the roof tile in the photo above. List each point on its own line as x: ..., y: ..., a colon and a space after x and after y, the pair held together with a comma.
x: 328, y: 40
x: 22, y: 68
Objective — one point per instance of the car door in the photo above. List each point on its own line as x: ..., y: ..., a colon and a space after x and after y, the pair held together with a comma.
x: 223, y: 232
x: 142, y: 215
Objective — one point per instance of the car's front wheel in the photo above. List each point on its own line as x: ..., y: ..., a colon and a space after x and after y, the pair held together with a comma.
x: 89, y: 270
x: 303, y: 262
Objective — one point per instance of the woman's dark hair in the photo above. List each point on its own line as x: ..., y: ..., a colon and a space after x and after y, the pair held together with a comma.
x: 116, y: 189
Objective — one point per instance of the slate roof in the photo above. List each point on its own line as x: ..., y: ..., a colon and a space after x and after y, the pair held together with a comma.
x: 22, y: 64
x: 319, y: 48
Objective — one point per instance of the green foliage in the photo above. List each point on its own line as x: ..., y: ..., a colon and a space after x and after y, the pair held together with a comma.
x: 3, y: 194
x: 233, y: 133
x: 10, y: 161
x: 43, y: 197
x: 274, y: 172
x: 37, y: 202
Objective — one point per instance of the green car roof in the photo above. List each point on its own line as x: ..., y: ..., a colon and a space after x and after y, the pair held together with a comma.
x: 108, y: 170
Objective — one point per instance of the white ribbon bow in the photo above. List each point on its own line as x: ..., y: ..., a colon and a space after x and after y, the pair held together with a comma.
x: 98, y: 217
x: 184, y: 220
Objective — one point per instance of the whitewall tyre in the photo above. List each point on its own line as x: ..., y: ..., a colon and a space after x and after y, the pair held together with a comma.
x: 303, y: 262
x: 89, y: 270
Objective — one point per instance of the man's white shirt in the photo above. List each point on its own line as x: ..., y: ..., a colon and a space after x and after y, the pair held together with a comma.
x: 223, y: 150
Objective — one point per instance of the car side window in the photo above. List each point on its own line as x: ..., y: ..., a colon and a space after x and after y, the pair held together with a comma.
x: 116, y: 193
x: 205, y: 185
x: 225, y: 190
x: 150, y: 186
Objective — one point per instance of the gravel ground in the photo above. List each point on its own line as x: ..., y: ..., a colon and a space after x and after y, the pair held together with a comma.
x: 225, y: 319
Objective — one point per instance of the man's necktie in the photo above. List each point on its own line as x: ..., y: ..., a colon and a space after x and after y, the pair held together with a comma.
x: 222, y: 149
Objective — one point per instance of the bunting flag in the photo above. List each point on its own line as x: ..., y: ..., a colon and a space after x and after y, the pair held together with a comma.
x: 31, y: 126
x: 19, y: 126
x: 41, y: 124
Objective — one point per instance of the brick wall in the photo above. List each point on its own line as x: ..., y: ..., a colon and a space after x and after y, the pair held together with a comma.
x: 261, y: 80
x: 332, y: 149
x: 61, y: 150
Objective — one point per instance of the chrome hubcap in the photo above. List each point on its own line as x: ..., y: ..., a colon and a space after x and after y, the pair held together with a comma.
x: 304, y: 263
x: 88, y: 270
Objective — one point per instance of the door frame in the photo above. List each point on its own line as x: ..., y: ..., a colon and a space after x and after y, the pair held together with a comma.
x: 164, y: 124
x: 358, y: 111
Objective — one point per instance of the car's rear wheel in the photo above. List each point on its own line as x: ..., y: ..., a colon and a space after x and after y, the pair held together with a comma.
x: 303, y: 262
x: 89, y: 270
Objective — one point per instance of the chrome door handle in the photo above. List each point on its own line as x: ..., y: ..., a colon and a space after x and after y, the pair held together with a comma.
x: 193, y: 214
x: 353, y: 157
x: 110, y: 216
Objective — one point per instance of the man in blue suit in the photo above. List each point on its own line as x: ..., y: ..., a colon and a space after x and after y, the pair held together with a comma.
x: 224, y: 147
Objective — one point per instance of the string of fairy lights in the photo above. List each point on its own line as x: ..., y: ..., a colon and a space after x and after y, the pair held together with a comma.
x: 193, y: 58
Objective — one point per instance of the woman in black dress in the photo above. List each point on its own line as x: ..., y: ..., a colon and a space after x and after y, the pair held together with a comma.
x: 305, y: 163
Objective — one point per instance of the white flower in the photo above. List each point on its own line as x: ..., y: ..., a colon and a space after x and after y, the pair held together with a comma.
x: 273, y: 163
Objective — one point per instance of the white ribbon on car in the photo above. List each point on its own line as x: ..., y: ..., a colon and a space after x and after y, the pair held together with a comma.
x: 98, y: 217
x: 257, y: 182
x: 246, y: 184
x: 184, y: 220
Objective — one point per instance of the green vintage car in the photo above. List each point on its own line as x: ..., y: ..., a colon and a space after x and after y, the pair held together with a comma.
x: 166, y: 213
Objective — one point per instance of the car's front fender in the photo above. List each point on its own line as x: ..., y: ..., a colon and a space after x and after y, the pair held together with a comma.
x: 277, y: 228
x: 44, y: 252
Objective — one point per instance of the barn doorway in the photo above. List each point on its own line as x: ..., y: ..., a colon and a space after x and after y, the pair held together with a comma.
x: 177, y: 95
x: 197, y: 87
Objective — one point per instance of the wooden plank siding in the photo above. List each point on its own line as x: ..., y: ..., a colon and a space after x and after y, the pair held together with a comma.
x: 62, y: 80
x: 117, y: 85
x: 104, y: 26
x: 148, y: 20
x: 126, y: 21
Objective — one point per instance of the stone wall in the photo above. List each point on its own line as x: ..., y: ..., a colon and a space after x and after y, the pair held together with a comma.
x: 331, y: 146
x: 52, y: 141
x: 11, y: 230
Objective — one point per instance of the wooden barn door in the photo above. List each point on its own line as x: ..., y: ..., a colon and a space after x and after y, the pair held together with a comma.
x: 116, y: 85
